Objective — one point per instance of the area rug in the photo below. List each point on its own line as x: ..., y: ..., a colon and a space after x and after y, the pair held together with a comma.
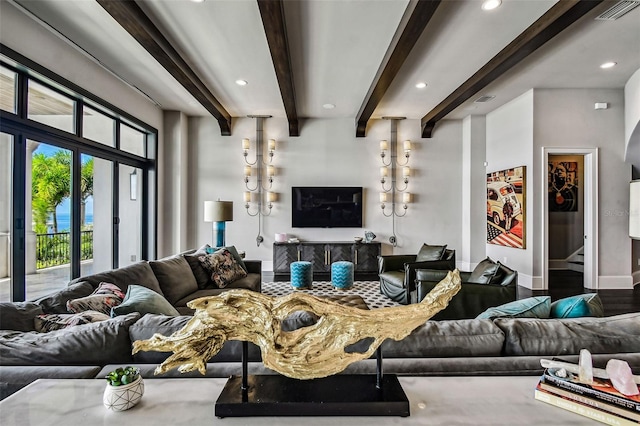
x: 368, y: 290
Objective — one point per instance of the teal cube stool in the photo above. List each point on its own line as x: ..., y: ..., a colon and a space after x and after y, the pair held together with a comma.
x: 301, y: 275
x: 342, y: 275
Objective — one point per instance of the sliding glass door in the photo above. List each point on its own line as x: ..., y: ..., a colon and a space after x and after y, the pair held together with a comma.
x: 6, y: 208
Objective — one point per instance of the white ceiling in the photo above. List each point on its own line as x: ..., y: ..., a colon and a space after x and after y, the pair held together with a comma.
x: 337, y: 47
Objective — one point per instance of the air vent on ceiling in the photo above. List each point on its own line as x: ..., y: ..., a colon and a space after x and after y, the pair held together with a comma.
x: 482, y: 99
x: 618, y: 10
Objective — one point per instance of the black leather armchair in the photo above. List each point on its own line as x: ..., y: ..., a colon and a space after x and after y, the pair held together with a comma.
x: 472, y: 299
x: 398, y: 274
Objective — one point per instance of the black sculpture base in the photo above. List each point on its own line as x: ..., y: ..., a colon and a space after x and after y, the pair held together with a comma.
x: 339, y: 395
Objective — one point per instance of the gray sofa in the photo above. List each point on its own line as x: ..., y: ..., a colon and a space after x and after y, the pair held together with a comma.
x: 502, y: 346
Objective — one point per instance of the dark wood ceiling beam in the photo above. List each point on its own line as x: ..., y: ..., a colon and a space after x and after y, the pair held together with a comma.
x: 404, y: 41
x: 272, y: 14
x: 129, y: 15
x: 558, y: 18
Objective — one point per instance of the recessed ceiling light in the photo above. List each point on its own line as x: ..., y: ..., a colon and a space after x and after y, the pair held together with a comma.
x: 421, y: 85
x: 328, y: 106
x: 608, y: 65
x: 241, y: 82
x: 198, y: 1
x: 491, y: 4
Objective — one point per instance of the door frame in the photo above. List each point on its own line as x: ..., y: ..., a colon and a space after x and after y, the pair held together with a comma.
x: 590, y: 213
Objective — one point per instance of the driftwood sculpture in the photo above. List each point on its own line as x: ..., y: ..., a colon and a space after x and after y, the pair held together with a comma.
x: 306, y: 353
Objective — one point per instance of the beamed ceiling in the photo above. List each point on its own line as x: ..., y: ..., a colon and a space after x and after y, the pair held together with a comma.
x: 363, y: 56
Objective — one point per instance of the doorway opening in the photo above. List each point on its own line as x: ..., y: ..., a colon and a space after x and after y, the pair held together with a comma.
x: 569, y: 211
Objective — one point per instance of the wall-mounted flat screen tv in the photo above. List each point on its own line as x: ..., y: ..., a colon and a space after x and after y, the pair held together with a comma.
x: 326, y: 207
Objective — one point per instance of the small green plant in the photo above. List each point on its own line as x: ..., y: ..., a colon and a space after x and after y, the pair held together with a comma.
x: 123, y: 376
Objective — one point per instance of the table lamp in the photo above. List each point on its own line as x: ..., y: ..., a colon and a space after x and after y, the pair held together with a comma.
x: 218, y: 212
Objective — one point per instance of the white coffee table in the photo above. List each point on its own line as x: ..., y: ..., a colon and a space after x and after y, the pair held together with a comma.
x: 448, y: 401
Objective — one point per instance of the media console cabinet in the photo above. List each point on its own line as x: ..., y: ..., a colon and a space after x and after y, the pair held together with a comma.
x: 322, y: 254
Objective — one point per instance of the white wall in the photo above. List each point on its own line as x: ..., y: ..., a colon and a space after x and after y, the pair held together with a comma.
x: 510, y: 144
x: 327, y: 153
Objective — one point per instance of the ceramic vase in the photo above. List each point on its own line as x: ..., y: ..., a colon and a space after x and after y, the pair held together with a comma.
x: 121, y: 398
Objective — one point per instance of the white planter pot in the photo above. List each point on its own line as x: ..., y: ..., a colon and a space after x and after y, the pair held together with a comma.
x: 120, y: 398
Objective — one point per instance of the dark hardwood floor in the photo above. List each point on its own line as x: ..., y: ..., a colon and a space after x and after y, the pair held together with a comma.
x: 567, y: 283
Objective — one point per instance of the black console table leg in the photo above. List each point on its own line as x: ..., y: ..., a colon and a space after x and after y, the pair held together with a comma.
x: 245, y: 365
x: 379, y: 368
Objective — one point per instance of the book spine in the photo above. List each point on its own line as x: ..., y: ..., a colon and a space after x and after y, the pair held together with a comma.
x: 601, y: 405
x: 586, y: 391
x: 583, y: 410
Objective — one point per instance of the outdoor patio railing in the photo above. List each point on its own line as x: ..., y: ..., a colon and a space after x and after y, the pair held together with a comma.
x: 55, y: 249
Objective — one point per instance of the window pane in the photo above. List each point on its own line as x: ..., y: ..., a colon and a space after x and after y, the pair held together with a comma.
x: 49, y: 107
x: 98, y: 127
x: 48, y: 210
x: 132, y: 140
x: 130, y: 228
x: 6, y: 207
x: 8, y: 90
x: 97, y: 228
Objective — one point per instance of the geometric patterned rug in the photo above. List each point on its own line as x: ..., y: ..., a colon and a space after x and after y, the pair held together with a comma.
x: 368, y: 290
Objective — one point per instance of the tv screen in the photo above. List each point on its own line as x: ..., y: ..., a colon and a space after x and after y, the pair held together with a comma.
x: 326, y: 207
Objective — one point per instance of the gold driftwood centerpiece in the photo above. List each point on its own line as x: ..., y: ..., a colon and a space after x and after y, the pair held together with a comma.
x: 306, y: 353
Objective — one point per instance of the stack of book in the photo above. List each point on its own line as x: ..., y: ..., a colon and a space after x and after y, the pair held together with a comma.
x: 599, y: 401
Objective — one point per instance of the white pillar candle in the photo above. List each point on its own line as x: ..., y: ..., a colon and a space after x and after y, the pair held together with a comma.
x: 247, y: 197
x: 271, y: 197
x: 383, y: 197
x: 272, y: 144
x: 384, y: 172
x: 247, y: 170
x: 406, y: 197
x: 384, y: 145
x: 407, y: 145
x: 406, y: 171
x: 271, y: 171
x: 246, y: 144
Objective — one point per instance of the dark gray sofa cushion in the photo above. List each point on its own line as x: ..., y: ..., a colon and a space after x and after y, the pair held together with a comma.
x: 550, y: 337
x: 150, y: 324
x: 139, y: 273
x: 250, y: 282
x: 454, y: 338
x: 97, y: 343
x: 56, y: 303
x: 175, y: 277
x: 19, y: 316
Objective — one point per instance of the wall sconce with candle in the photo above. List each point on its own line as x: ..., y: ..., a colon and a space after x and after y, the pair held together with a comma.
x: 259, y: 196
x: 388, y: 173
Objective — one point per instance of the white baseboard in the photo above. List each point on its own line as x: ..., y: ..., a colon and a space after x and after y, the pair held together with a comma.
x: 530, y: 282
x: 267, y: 265
x: 615, y: 282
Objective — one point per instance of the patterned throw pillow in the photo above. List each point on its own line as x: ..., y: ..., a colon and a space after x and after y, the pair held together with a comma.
x: 105, y: 297
x: 49, y: 322
x: 223, y: 267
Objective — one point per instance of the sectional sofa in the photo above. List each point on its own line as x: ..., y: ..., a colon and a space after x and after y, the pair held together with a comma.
x: 502, y: 346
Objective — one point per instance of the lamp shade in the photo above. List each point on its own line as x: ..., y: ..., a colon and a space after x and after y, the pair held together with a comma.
x: 218, y: 211
x: 634, y: 209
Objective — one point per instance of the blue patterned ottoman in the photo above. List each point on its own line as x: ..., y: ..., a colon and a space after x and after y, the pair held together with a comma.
x: 301, y: 275
x: 342, y: 275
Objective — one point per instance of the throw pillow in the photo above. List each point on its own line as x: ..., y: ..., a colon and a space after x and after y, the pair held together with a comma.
x: 175, y: 277
x: 234, y: 253
x: 428, y: 252
x: 48, y: 322
x: 484, y: 272
x: 223, y: 267
x: 582, y: 305
x: 203, y: 277
x: 145, y: 301
x: 56, y: 303
x: 18, y: 316
x: 532, y: 307
x: 105, y: 297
